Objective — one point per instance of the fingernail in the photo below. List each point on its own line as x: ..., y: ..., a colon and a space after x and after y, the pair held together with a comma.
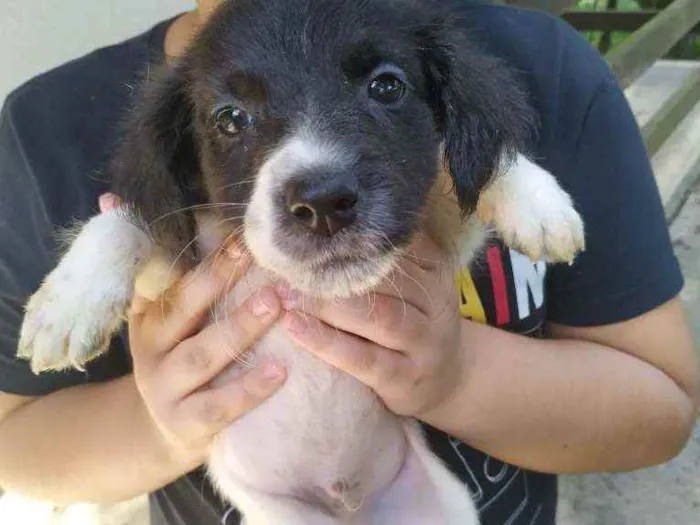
x: 296, y: 323
x: 264, y: 380
x: 263, y: 303
x: 290, y: 298
x: 107, y: 201
x: 271, y: 372
x: 235, y: 251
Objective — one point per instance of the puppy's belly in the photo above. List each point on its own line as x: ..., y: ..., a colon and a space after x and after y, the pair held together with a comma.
x: 322, y: 430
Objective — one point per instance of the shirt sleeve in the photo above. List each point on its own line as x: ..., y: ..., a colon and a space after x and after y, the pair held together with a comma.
x: 628, y: 267
x: 28, y: 253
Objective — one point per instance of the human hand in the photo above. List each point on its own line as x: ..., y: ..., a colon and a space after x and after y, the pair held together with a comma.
x: 403, y: 340
x: 176, y: 361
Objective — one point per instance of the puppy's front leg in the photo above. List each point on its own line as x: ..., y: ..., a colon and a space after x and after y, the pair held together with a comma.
x: 83, y: 301
x: 532, y: 213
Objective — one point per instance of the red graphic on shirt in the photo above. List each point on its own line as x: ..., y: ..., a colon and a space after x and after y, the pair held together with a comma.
x: 504, y: 288
x: 498, y: 285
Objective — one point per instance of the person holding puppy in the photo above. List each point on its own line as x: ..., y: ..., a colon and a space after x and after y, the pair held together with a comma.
x: 548, y: 369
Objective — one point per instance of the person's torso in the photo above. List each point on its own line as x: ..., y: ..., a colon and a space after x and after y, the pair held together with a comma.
x: 78, y: 107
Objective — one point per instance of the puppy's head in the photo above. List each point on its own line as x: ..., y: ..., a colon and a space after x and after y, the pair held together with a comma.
x: 317, y: 129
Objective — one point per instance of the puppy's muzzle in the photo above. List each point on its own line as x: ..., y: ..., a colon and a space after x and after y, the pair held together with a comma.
x: 321, y: 202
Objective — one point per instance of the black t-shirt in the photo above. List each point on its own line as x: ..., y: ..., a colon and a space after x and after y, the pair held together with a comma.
x: 57, y: 131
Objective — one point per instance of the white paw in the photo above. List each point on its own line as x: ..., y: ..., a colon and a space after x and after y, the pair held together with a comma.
x: 71, y: 318
x: 67, y: 324
x: 533, y: 214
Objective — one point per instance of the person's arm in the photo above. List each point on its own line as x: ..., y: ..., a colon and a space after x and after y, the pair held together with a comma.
x: 103, y: 434
x: 119, y: 439
x: 605, y: 398
x: 94, y: 442
x: 615, y: 387
x: 602, y: 398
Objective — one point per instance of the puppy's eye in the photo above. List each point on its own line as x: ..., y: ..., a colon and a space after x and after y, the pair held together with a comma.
x: 387, y: 88
x: 232, y: 120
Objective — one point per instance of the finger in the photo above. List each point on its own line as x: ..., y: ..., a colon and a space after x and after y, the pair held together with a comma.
x: 383, y: 319
x: 201, y: 358
x: 421, y: 277
x: 410, y: 283
x: 108, y: 201
x: 368, y: 362
x: 180, y: 312
x: 213, y: 410
x: 429, y: 291
x: 424, y: 253
x: 139, y: 306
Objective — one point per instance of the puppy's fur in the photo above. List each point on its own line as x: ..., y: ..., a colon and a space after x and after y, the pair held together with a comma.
x: 446, y: 158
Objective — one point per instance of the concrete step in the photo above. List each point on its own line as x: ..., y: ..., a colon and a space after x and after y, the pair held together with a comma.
x: 667, y: 494
x: 677, y: 163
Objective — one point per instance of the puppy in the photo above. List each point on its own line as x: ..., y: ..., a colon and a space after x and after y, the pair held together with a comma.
x: 324, y: 135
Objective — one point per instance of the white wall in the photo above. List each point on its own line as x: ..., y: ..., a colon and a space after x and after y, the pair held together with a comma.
x: 36, y: 35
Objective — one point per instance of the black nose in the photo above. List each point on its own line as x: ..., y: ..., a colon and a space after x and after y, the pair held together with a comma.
x: 324, y: 207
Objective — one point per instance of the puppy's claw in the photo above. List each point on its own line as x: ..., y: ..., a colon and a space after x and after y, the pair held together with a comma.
x: 64, y: 327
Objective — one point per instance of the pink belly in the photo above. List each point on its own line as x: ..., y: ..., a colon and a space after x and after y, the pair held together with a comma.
x: 321, y: 428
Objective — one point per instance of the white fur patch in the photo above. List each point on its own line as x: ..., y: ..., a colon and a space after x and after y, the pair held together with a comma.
x: 72, y: 316
x: 532, y: 213
x: 303, y: 151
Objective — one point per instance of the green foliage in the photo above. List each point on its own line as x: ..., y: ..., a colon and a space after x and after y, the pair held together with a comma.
x: 688, y: 48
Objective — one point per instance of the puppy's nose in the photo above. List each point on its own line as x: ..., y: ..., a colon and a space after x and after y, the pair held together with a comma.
x: 325, y: 207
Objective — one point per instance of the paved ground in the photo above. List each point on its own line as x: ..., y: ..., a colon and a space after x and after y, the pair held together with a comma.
x: 666, y: 495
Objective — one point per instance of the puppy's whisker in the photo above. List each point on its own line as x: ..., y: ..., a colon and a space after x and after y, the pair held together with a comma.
x: 222, y: 307
x: 399, y: 294
x: 236, y: 184
x: 371, y: 302
x: 180, y: 255
x: 196, y: 207
x: 421, y: 287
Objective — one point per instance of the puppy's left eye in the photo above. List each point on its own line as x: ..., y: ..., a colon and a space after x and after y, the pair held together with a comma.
x: 232, y: 120
x: 387, y: 88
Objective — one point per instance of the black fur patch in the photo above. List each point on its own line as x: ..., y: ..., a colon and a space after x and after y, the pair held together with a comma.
x: 308, y: 62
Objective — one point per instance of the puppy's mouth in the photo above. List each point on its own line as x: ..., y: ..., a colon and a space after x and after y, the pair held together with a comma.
x: 339, y: 263
x: 326, y: 275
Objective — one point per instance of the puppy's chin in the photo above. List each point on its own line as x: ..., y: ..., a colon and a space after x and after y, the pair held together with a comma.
x: 326, y: 277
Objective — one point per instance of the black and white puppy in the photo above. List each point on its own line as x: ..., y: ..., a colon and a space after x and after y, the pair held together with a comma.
x: 324, y: 135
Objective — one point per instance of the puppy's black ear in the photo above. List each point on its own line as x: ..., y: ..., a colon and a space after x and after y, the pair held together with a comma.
x: 481, y: 111
x: 155, y: 169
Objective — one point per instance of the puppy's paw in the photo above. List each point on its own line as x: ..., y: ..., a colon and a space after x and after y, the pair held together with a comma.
x: 69, y: 321
x: 71, y: 318
x: 533, y: 214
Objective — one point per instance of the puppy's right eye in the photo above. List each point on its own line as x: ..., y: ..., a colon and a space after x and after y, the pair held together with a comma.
x: 232, y: 120
x: 387, y: 88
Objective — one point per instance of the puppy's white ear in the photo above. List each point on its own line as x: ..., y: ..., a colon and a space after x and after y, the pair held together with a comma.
x: 83, y: 301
